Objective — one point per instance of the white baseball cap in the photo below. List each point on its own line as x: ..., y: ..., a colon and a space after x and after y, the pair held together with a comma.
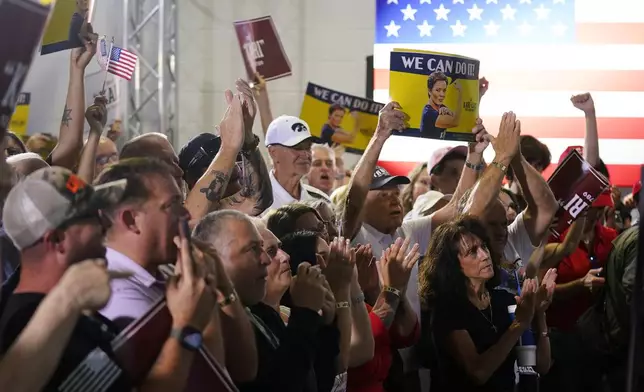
x: 288, y: 131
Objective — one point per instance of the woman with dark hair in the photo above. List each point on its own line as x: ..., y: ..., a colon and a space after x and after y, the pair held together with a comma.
x: 343, y: 305
x: 436, y: 116
x: 419, y: 185
x: 294, y: 217
x: 470, y: 322
x: 511, y: 204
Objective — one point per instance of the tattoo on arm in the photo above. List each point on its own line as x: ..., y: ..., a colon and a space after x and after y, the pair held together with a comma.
x: 385, y: 307
x: 217, y: 186
x: 67, y: 116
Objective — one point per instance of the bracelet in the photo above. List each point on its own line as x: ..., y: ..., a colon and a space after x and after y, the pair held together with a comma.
x: 392, y: 290
x: 358, y: 299
x: 342, y: 305
x: 228, y: 299
x: 500, y: 166
x: 545, y: 334
x: 477, y: 167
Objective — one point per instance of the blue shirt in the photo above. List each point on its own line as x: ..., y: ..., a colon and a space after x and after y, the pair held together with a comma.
x: 327, y: 135
x: 428, y: 127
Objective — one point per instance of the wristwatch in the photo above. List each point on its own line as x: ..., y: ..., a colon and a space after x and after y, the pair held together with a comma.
x: 189, y: 337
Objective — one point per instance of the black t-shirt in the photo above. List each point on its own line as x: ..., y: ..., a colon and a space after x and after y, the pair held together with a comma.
x: 326, y: 136
x: 88, y: 334
x: 457, y: 314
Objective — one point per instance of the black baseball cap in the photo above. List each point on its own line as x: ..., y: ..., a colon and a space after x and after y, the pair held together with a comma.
x: 196, y: 155
x: 381, y: 178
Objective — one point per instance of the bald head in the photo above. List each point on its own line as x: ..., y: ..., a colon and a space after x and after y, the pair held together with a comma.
x: 214, y: 228
x: 157, y: 146
x: 141, y: 146
x: 26, y: 163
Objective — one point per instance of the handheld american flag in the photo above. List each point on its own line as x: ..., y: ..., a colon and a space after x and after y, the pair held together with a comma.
x: 536, y: 54
x: 122, y: 63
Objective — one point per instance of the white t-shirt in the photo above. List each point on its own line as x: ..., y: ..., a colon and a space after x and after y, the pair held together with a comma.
x: 281, y: 197
x: 518, y: 249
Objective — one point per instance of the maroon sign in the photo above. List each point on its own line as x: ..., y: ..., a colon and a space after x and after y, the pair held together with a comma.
x: 576, y: 185
x: 262, y: 49
x: 21, y: 25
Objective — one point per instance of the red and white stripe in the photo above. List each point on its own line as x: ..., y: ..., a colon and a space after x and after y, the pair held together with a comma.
x: 124, y: 67
x: 536, y: 82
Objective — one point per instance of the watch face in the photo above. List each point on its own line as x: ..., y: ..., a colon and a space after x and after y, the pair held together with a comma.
x: 193, y: 339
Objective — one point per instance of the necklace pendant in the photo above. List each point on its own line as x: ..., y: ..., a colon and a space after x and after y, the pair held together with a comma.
x: 494, y: 328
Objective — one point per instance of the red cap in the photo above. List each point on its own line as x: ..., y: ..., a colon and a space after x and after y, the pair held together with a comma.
x: 563, y: 156
x: 637, y: 187
x: 604, y: 199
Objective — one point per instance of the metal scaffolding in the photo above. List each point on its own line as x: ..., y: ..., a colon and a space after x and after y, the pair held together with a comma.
x: 150, y: 31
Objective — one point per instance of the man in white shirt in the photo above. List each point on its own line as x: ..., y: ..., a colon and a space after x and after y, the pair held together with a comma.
x: 289, y: 142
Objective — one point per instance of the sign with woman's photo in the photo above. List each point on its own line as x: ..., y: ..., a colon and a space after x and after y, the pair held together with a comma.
x: 262, y: 49
x: 66, y: 25
x: 439, y: 92
x: 338, y: 118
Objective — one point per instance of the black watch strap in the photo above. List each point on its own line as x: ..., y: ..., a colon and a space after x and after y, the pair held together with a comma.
x: 190, y: 338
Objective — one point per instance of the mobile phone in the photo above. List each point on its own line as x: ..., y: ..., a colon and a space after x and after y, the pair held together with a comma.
x: 185, y: 230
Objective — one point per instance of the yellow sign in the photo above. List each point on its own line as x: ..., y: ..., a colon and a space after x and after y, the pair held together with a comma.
x: 65, y: 24
x: 20, y: 118
x: 339, y: 118
x: 439, y: 92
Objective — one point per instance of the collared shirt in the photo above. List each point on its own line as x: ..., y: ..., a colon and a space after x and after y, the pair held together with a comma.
x: 132, y: 297
x: 282, y: 197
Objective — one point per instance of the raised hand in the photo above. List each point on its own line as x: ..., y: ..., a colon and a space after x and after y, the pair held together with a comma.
x: 340, y: 264
x: 260, y: 84
x: 96, y: 115
x: 367, y: 270
x: 483, y: 86
x: 391, y: 118
x: 507, y: 143
x: 583, y: 102
x: 249, y: 107
x: 231, y: 127
x: 88, y: 283
x: 545, y: 291
x: 526, y: 303
x: 307, y: 287
x: 397, y: 262
x: 592, y: 279
x: 481, y: 136
x: 81, y: 57
x: 189, y: 296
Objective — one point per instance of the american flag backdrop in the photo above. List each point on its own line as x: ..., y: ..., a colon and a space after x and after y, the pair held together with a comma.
x: 535, y: 54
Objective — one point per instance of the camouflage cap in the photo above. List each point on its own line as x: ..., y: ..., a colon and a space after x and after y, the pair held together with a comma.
x: 51, y: 197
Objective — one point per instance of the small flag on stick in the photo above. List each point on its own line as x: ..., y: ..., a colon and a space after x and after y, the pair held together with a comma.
x: 121, y: 63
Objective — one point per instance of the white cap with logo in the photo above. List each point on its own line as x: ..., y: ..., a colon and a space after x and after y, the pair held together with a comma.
x: 288, y: 131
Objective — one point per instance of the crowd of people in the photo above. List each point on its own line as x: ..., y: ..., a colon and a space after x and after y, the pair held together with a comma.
x: 217, y: 269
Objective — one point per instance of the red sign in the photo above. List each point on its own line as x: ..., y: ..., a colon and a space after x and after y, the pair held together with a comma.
x: 21, y: 25
x: 576, y: 185
x: 262, y: 49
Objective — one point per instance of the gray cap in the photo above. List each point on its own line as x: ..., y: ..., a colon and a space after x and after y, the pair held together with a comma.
x: 51, y: 197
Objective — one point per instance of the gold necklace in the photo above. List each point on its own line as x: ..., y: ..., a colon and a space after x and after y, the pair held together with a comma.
x: 491, y: 318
